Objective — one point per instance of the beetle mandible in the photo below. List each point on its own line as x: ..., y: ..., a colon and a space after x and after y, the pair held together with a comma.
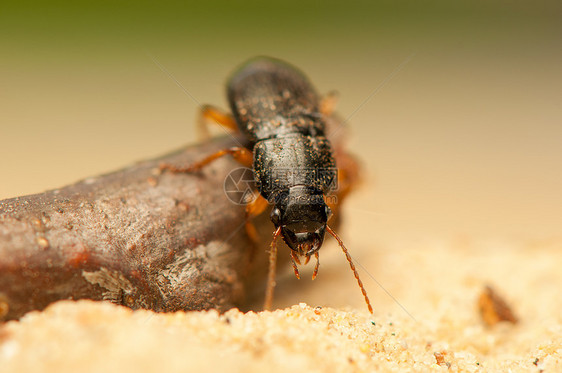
x: 279, y: 112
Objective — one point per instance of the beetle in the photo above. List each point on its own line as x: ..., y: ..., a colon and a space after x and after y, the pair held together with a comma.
x: 284, y: 120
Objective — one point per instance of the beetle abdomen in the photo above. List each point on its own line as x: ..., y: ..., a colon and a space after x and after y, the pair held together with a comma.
x: 270, y: 98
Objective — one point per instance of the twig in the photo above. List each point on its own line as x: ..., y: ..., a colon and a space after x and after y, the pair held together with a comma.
x: 137, y: 237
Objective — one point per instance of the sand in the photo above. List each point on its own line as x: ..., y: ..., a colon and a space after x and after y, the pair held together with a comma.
x: 439, y: 327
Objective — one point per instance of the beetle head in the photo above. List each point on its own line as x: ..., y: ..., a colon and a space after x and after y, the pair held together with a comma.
x: 302, y: 215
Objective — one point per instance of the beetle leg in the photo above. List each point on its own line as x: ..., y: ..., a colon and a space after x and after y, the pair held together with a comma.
x: 296, y: 260
x: 253, y: 209
x: 240, y: 154
x: 328, y: 103
x: 252, y: 233
x: 348, y: 178
x: 348, y: 174
x: 256, y: 207
x: 315, y: 273
x: 209, y: 113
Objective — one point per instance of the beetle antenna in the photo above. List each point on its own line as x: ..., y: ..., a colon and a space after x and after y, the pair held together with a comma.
x: 352, y: 267
x: 271, y: 276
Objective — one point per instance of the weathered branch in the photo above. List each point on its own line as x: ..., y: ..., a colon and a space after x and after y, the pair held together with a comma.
x: 138, y: 237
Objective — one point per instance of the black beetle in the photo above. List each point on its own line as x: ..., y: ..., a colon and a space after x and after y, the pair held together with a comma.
x: 279, y: 112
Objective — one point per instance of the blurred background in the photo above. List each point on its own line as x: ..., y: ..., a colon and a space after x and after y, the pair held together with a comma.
x: 455, y: 107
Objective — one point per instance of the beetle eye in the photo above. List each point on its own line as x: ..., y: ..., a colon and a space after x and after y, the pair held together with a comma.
x: 275, y: 216
x: 328, y: 212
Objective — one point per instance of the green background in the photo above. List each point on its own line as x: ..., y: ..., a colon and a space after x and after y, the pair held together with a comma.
x: 465, y: 139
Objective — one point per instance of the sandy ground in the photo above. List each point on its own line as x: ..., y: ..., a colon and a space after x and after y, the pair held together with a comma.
x: 433, y: 322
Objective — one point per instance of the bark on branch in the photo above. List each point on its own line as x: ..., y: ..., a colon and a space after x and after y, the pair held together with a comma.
x: 137, y: 237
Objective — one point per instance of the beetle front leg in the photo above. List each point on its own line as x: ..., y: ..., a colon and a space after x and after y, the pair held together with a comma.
x: 240, y: 154
x: 253, y: 209
x: 328, y: 103
x: 209, y: 113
